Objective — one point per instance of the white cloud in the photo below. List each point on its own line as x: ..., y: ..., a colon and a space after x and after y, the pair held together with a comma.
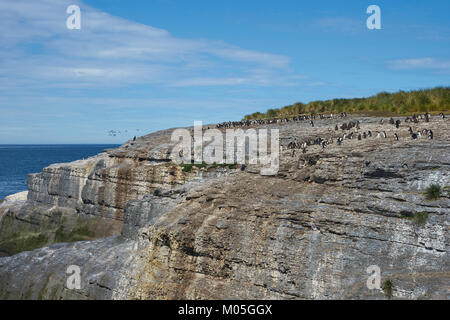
x: 420, y: 63
x: 111, y: 51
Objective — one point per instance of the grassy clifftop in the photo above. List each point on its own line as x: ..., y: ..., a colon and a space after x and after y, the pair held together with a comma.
x: 402, y: 102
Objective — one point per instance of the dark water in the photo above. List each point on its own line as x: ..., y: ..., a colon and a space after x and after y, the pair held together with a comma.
x: 17, y: 161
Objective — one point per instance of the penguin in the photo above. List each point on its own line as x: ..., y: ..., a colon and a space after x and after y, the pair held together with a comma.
x: 396, y: 136
x: 397, y: 124
x: 364, y: 135
x: 430, y: 134
x: 369, y: 133
x: 413, y: 136
x: 384, y: 134
x: 312, y: 123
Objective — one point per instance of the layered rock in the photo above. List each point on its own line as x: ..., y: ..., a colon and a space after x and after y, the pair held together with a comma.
x: 88, y: 195
x: 309, y: 232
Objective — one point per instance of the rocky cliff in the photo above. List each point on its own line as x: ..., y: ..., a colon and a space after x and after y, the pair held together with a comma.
x: 85, y: 199
x: 155, y: 231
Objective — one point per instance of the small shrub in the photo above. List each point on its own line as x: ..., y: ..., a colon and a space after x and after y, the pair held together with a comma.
x: 420, y: 217
x: 433, y: 192
x: 187, y: 167
x: 387, y: 288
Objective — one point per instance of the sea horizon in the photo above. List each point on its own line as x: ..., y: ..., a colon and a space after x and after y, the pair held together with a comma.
x: 17, y: 161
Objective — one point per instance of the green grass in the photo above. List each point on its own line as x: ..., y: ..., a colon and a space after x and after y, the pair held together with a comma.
x: 383, y: 104
x: 387, y: 287
x: 418, y: 217
x: 433, y: 192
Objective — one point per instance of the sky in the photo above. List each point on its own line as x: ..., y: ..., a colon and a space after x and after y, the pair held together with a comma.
x: 139, y: 66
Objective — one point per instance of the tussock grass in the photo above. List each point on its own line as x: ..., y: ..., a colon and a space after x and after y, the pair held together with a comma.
x: 387, y: 287
x: 433, y: 192
x: 418, y: 217
x: 383, y: 104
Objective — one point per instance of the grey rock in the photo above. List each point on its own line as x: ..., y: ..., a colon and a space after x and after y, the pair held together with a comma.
x: 310, y: 232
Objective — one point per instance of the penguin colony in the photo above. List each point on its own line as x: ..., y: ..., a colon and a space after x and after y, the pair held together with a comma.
x: 351, y: 130
x: 256, y: 122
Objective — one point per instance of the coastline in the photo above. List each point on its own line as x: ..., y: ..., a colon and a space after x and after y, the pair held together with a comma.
x: 19, y: 161
x: 331, y: 211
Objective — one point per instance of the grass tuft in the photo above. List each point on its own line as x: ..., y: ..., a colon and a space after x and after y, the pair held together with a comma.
x: 433, y: 192
x: 387, y: 287
x: 418, y: 218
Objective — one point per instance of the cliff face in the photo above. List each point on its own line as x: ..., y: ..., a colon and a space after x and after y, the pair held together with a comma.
x: 309, y: 232
x: 85, y: 199
x: 100, y: 186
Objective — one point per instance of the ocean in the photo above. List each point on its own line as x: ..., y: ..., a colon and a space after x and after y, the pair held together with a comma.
x: 17, y: 161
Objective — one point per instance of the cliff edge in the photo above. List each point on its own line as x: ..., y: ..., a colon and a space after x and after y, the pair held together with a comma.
x: 141, y: 227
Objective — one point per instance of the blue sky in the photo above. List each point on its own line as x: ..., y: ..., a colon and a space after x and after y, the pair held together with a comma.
x: 140, y: 66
